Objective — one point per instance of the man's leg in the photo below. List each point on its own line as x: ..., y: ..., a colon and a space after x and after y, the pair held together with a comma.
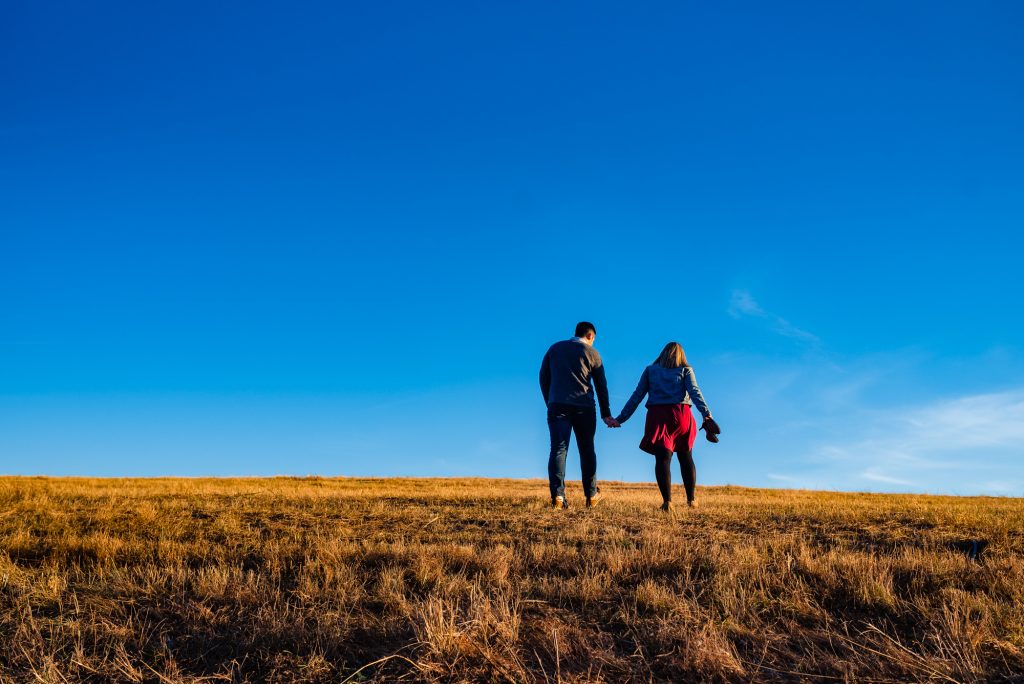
x: 559, y: 428
x: 584, y: 424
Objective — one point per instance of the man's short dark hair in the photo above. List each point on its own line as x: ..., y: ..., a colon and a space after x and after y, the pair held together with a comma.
x: 583, y: 329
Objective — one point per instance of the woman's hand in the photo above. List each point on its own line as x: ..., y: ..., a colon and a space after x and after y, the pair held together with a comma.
x: 710, y: 428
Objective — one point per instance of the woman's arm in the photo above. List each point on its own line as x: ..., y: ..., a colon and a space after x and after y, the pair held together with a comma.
x: 690, y: 385
x: 634, y: 401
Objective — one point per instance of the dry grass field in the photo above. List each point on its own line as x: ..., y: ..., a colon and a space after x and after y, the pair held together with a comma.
x: 347, y: 580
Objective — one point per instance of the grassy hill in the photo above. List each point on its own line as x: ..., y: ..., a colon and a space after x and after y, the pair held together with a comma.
x: 334, y: 580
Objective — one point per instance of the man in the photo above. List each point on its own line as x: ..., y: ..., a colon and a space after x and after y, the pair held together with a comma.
x: 566, y: 374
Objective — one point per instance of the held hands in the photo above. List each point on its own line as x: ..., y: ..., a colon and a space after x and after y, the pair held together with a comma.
x: 612, y: 423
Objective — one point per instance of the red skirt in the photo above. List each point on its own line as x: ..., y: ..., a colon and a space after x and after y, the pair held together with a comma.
x: 669, y: 428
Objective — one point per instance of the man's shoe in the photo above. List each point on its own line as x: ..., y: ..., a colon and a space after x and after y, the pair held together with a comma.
x: 667, y: 507
x: 559, y: 502
x: 592, y: 500
x: 692, y: 504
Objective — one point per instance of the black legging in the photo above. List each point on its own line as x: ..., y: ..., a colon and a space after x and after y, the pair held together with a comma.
x: 663, y: 471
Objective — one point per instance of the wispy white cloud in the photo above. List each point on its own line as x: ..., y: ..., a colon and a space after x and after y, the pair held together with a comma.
x: 489, y: 447
x: 743, y: 304
x: 882, y: 420
x: 958, y: 438
x: 873, y: 474
x: 791, y: 480
x: 983, y: 420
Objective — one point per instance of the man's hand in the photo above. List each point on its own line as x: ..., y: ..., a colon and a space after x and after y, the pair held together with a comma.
x: 611, y: 422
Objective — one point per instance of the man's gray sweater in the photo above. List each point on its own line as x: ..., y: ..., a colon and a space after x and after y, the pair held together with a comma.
x: 566, y: 374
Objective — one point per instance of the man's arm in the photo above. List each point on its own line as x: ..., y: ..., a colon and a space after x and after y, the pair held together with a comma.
x: 545, y: 375
x: 601, y: 387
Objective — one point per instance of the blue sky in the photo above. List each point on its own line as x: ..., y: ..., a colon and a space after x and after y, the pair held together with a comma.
x: 254, y: 238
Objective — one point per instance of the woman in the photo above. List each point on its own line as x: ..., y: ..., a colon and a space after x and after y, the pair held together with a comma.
x: 670, y: 426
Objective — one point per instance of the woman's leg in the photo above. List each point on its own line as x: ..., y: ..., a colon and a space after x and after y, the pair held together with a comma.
x: 663, y: 473
x: 689, y: 469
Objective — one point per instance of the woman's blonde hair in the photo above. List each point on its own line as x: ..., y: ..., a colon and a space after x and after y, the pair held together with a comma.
x: 672, y: 356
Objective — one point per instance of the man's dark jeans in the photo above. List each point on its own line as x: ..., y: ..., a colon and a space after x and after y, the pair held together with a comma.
x: 564, y: 419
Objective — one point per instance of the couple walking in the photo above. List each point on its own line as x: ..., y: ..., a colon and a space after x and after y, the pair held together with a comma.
x: 569, y: 376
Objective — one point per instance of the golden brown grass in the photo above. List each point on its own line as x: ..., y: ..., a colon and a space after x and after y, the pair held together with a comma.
x: 345, y: 580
